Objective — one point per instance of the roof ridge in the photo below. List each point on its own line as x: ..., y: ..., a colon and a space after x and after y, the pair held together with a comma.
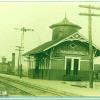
x: 45, y: 46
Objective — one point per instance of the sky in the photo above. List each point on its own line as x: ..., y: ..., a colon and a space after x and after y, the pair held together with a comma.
x: 39, y: 16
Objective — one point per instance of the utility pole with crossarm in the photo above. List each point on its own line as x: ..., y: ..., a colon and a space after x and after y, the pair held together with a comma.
x: 19, y: 48
x: 23, y: 29
x: 90, y: 14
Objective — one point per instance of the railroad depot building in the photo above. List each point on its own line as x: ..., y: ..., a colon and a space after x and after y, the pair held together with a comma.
x: 65, y: 57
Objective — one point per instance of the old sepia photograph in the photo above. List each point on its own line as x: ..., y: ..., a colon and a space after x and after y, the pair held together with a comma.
x: 49, y: 49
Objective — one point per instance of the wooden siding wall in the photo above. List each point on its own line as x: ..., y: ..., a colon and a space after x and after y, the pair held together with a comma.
x: 84, y: 65
x: 53, y: 66
x: 65, y: 49
x: 57, y: 69
x: 58, y: 60
x: 70, y: 48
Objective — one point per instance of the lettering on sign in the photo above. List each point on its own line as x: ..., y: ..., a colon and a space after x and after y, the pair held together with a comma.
x: 73, y: 52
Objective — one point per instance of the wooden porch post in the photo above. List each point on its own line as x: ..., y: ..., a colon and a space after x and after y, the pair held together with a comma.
x: 29, y: 67
x: 51, y: 52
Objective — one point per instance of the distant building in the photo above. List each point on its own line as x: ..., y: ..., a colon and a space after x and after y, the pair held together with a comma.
x: 7, y: 67
x: 63, y: 58
x: 4, y: 66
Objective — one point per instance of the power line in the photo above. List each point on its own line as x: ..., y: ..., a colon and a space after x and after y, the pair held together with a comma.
x: 23, y: 29
x: 19, y: 48
x: 90, y: 14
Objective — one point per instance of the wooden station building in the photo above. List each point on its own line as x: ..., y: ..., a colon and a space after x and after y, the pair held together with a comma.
x: 65, y: 57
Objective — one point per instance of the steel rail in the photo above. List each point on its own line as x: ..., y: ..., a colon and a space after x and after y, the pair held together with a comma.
x: 51, y: 91
x: 14, y: 86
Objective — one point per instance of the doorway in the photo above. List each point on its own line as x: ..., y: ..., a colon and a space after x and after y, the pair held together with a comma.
x: 72, y: 65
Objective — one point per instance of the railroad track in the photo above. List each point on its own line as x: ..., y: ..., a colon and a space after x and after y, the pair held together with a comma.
x: 22, y: 87
x: 33, y: 89
x: 11, y: 90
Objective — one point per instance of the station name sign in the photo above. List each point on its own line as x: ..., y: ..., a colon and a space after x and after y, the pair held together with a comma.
x: 72, y: 52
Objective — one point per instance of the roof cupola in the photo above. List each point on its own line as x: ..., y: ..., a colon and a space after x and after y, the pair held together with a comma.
x: 63, y: 29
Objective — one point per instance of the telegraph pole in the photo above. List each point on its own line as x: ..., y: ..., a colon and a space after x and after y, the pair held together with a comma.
x: 19, y: 48
x: 23, y: 29
x: 90, y: 14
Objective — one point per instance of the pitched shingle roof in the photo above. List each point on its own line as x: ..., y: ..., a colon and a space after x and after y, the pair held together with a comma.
x: 51, y: 44
x: 41, y: 47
